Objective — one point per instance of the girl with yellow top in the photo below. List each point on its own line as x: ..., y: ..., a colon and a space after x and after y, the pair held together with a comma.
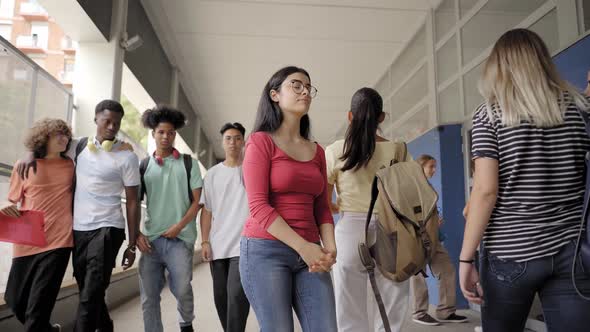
x: 351, y: 167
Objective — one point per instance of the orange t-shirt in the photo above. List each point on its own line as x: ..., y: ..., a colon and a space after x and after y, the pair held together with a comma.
x: 49, y: 191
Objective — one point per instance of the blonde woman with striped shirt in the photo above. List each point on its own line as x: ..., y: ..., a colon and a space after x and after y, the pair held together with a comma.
x: 528, y: 143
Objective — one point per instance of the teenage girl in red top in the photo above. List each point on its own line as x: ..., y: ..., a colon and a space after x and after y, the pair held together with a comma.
x: 283, y: 266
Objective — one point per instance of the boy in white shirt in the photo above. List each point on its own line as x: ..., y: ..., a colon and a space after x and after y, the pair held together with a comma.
x: 224, y: 213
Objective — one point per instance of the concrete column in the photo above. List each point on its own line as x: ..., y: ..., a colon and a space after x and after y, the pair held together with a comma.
x: 99, y: 70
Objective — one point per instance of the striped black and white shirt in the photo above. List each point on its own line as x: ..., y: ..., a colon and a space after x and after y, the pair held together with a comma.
x: 541, y: 183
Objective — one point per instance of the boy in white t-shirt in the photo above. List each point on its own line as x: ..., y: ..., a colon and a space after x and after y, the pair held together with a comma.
x: 224, y: 213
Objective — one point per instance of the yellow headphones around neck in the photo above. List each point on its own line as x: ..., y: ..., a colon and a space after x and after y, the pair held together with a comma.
x: 106, y: 145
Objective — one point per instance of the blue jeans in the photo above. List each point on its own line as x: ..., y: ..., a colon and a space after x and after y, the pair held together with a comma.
x: 176, y: 256
x: 276, y: 281
x: 510, y: 287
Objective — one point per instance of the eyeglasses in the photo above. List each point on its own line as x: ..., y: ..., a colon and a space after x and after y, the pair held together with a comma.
x: 298, y: 87
x: 233, y: 138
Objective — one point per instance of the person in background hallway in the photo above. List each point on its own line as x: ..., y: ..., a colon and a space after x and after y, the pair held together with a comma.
x: 351, y: 167
x: 225, y: 210
x: 442, y: 269
x: 36, y: 273
x: 528, y: 143
x: 283, y: 266
x: 167, y: 242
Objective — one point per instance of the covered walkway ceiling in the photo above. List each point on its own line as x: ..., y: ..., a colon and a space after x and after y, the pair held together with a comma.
x: 227, y: 49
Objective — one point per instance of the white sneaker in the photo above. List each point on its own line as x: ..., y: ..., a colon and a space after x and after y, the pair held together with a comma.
x: 478, y: 329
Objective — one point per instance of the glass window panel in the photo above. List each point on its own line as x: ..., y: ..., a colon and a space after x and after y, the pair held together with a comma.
x: 546, y: 27
x: 495, y: 18
x: 444, y: 18
x: 15, y: 91
x: 5, y: 247
x: 408, y: 59
x: 449, y: 108
x: 472, y: 96
x: 40, y: 61
x: 50, y: 100
x: 416, y: 125
x: 410, y: 94
x: 465, y: 6
x: 446, y: 60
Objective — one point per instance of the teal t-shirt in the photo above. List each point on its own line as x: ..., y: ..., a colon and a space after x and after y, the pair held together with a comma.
x: 167, y: 197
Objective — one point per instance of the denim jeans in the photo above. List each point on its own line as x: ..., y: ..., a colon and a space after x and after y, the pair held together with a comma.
x: 510, y: 287
x: 175, y: 256
x: 276, y: 281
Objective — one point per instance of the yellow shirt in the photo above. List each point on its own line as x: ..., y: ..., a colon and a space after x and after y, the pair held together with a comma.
x: 354, y: 187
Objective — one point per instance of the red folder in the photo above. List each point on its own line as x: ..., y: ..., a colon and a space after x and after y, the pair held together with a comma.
x: 28, y: 229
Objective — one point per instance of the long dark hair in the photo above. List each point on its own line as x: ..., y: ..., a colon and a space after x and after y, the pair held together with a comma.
x: 269, y: 115
x: 359, y: 145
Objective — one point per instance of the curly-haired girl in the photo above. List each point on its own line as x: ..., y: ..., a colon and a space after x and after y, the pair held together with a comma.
x: 37, y: 272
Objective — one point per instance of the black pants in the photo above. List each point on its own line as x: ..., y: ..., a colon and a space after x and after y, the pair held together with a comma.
x: 95, y: 254
x: 33, y: 284
x: 231, y: 302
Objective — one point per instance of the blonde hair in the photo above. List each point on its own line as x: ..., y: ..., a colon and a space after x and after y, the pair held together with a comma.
x: 520, y: 77
x: 423, y: 159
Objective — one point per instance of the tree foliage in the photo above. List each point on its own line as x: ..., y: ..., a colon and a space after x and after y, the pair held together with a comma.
x: 132, y: 125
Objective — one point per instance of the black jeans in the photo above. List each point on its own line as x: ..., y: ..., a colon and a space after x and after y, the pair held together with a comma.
x: 33, y: 284
x: 95, y: 254
x: 510, y: 287
x: 231, y: 302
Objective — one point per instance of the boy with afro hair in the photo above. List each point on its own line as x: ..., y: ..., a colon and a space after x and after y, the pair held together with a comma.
x: 172, y: 183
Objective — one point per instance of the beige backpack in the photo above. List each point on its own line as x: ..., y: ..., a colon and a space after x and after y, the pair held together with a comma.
x: 407, y: 227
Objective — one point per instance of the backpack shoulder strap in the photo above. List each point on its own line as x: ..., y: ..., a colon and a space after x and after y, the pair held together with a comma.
x: 188, y: 165
x: 142, y: 168
x: 363, y: 247
x: 367, y: 259
x: 399, y: 154
x: 80, y: 147
x: 374, y: 194
x: 405, y: 152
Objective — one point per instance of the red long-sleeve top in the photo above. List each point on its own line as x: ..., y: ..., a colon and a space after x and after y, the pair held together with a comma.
x: 278, y: 185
